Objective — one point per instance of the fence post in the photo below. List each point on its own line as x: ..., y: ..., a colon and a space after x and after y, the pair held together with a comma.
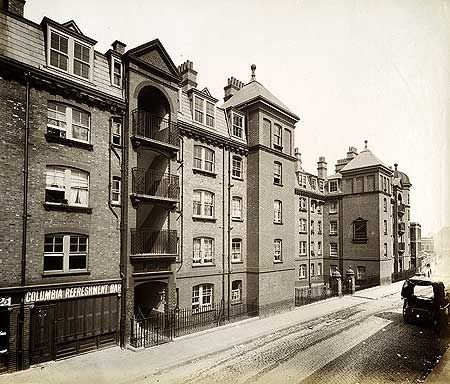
x: 336, y: 280
x: 351, y: 280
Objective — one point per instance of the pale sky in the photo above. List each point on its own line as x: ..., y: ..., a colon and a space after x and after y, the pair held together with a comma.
x: 352, y: 70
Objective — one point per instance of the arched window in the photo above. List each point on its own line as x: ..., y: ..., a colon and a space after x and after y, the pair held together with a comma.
x: 203, y: 158
x: 66, y: 186
x: 202, y: 297
x: 68, y: 122
x: 203, y: 204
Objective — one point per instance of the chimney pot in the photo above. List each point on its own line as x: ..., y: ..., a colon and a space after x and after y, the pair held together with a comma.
x: 188, y: 75
x: 118, y: 47
x: 14, y: 6
x: 232, y: 87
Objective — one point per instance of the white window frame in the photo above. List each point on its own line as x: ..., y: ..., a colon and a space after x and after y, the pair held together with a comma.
x: 67, y: 185
x: 203, y: 112
x: 67, y: 132
x: 236, y: 250
x: 237, y: 167
x: 277, y: 211
x: 303, y: 226
x: 332, y: 186
x: 202, y: 160
x: 116, y: 130
x: 311, y: 269
x: 115, y: 60
x: 319, y: 248
x: 302, y: 248
x: 333, y: 227
x: 302, y: 271
x: 334, y: 252
x: 70, y: 54
x: 277, y: 138
x: 303, y: 204
x: 236, y: 210
x: 278, y: 251
x: 385, y: 227
x: 237, y: 126
x: 116, y: 187
x: 236, y: 293
x: 202, y: 297
x: 66, y: 253
x: 333, y: 207
x: 277, y: 173
x: 202, y: 255
x: 202, y: 203
x: 319, y: 269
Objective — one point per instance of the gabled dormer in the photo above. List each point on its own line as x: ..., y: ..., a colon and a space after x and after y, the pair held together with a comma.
x: 203, y: 107
x: 68, y: 50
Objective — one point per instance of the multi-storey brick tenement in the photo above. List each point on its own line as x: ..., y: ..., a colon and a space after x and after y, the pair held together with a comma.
x: 129, y: 191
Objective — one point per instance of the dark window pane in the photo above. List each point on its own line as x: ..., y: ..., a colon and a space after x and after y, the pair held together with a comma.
x: 53, y: 263
x: 77, y: 262
x: 52, y: 196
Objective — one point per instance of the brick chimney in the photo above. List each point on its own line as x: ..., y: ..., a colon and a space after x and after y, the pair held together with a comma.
x: 118, y: 47
x: 352, y: 153
x: 188, y: 75
x: 298, y: 160
x: 232, y: 87
x: 322, y: 168
x: 13, y: 6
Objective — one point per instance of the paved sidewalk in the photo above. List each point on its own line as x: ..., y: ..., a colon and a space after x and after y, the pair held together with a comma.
x: 441, y: 372
x: 119, y: 366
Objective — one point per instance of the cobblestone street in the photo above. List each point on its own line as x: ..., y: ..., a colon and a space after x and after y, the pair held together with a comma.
x: 367, y: 343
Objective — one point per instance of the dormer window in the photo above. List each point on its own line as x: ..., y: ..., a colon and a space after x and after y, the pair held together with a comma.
x: 116, y: 72
x: 210, y: 115
x: 67, y: 54
x: 238, y: 125
x: 204, y: 112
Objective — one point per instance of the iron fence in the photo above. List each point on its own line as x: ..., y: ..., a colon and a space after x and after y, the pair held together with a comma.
x: 402, y: 275
x: 306, y: 295
x: 154, y: 183
x: 163, y: 327
x: 156, y: 128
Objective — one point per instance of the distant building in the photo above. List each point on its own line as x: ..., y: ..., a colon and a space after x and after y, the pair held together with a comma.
x: 416, y: 245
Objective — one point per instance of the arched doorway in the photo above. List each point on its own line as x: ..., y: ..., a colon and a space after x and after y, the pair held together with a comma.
x: 150, y: 299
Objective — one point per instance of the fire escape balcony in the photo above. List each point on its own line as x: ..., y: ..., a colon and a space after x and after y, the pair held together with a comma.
x: 154, y: 187
x: 401, y: 247
x: 150, y: 243
x: 401, y: 228
x: 150, y: 131
x: 401, y: 209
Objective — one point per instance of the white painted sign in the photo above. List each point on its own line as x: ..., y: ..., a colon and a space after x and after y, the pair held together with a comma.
x: 70, y: 293
x: 5, y: 301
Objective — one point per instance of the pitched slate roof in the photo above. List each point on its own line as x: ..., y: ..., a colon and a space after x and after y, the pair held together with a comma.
x: 365, y: 159
x: 254, y: 90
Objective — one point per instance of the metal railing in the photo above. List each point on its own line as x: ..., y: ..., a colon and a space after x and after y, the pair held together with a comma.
x: 401, y: 227
x: 306, y: 295
x: 162, y: 327
x: 402, y: 275
x: 156, y: 128
x: 155, y: 183
x: 401, y: 247
x: 153, y: 241
x: 401, y: 209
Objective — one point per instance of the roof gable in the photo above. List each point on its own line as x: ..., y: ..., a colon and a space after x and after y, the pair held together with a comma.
x: 154, y: 55
x: 73, y: 27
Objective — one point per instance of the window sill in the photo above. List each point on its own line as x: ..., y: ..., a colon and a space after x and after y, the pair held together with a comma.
x: 204, y: 219
x: 333, y: 213
x: 237, y: 302
x: 67, y: 208
x: 69, y: 142
x: 278, y: 147
x: 278, y: 261
x: 115, y: 204
x: 237, y: 220
x: 204, y: 173
x: 237, y: 262
x: 278, y: 222
x: 303, y: 210
x: 359, y: 241
x: 302, y: 232
x: 333, y: 234
x: 199, y: 265
x: 278, y: 184
x: 73, y: 273
x: 237, y: 178
x: 302, y: 255
x: 118, y: 146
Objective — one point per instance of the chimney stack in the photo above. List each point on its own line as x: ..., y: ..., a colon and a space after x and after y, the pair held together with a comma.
x: 298, y: 160
x: 188, y: 75
x: 14, y: 6
x: 322, y: 168
x: 118, y: 47
x: 352, y: 153
x: 232, y: 87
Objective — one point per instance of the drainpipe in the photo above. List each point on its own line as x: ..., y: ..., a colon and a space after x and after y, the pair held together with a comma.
x: 309, y: 242
x: 20, y: 338
x: 229, y: 233
x: 111, y: 149
x: 223, y: 228
x: 181, y: 203
x: 124, y: 217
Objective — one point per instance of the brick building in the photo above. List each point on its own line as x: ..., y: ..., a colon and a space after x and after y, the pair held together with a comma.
x: 61, y: 112
x: 129, y: 191
x: 416, y: 245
